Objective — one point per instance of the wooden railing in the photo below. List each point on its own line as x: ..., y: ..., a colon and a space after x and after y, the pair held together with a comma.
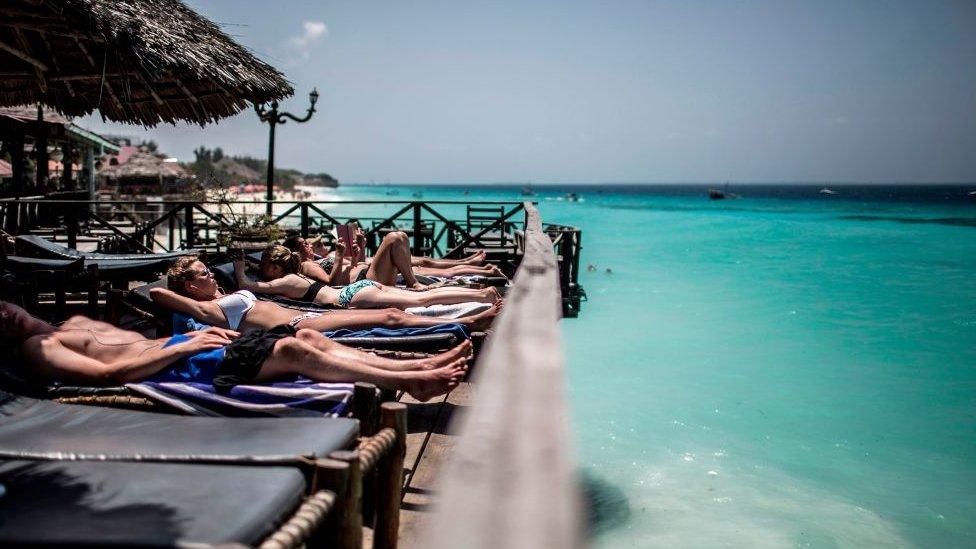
x: 512, y: 482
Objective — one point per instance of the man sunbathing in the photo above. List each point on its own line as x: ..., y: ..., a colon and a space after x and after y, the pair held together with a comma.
x: 87, y: 351
x: 193, y: 291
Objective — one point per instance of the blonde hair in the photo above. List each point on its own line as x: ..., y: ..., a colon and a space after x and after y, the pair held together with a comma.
x: 180, y: 273
x: 282, y: 257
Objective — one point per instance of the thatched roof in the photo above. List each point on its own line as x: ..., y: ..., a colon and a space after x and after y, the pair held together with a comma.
x: 140, y: 61
x: 141, y: 163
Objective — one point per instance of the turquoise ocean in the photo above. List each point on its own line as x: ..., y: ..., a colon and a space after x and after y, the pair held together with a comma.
x: 786, y: 369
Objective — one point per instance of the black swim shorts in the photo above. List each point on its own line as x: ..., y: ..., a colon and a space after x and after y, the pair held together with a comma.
x: 245, y: 355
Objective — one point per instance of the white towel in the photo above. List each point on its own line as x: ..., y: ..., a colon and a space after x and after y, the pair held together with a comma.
x: 456, y: 310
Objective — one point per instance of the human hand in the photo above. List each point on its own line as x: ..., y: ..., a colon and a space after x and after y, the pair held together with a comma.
x: 340, y: 249
x: 226, y: 333
x: 202, y: 341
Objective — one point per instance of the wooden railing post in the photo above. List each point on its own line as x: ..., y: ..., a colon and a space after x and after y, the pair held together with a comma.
x: 303, y: 208
x: 172, y: 232
x: 71, y: 225
x: 93, y: 283
x: 418, y: 237
x: 189, y: 233
x: 389, y: 478
x: 349, y: 518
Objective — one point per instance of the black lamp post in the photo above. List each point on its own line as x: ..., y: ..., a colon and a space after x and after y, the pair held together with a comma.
x: 273, y: 117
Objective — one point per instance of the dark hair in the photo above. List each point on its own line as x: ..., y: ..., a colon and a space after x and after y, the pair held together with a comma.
x: 282, y: 257
x: 292, y: 243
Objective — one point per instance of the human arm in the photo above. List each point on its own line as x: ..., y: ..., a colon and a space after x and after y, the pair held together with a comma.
x: 275, y: 287
x: 54, y: 360
x: 315, y: 271
x: 205, y: 311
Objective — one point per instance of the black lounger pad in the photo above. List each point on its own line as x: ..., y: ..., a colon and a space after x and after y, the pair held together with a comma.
x: 142, y: 504
x: 31, y: 427
x: 36, y: 245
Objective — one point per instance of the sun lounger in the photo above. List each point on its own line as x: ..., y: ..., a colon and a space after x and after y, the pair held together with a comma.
x: 37, y: 246
x: 94, y: 504
x: 46, y: 431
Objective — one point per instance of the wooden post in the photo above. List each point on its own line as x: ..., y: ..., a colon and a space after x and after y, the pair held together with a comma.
x: 334, y: 475
x: 418, y: 239
x: 303, y: 207
x: 60, y: 288
x: 364, y: 407
x: 350, y: 528
x: 172, y: 232
x: 189, y: 233
x: 40, y: 151
x: 389, y: 478
x: 113, y: 306
x: 71, y: 224
x: 16, y: 148
x: 67, y: 171
x: 93, y: 284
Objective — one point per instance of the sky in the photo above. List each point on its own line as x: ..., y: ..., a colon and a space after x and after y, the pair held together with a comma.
x: 619, y: 91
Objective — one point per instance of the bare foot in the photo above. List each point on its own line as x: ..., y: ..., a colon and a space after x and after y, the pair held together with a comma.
x: 424, y: 385
x: 418, y: 287
x: 461, y: 350
x: 490, y: 295
x: 482, y: 320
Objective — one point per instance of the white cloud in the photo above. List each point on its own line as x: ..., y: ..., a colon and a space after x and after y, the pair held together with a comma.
x: 313, y: 31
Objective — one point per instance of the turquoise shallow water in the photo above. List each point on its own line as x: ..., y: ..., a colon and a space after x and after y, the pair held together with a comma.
x: 772, y: 372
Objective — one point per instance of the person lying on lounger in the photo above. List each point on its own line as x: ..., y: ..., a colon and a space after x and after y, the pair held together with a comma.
x: 193, y: 291
x: 280, y: 267
x: 88, y: 351
x: 392, y: 257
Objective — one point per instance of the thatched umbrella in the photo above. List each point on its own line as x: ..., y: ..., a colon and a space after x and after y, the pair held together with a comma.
x: 138, y: 61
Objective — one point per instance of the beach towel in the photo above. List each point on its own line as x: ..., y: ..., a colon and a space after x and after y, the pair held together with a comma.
x: 456, y: 310
x: 300, y: 397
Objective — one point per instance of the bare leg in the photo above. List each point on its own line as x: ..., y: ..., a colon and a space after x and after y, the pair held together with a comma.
x: 459, y: 270
x: 294, y: 356
x: 387, y: 296
x: 391, y: 257
x: 387, y: 318
x: 349, y: 354
x: 476, y: 258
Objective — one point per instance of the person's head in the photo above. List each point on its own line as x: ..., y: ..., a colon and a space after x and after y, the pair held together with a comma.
x: 17, y: 324
x: 190, y: 277
x: 318, y: 245
x: 299, y: 245
x: 278, y: 261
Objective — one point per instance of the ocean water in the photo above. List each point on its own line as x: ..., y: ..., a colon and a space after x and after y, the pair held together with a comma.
x: 787, y: 369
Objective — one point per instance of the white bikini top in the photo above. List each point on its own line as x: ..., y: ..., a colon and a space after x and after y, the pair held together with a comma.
x: 235, y: 306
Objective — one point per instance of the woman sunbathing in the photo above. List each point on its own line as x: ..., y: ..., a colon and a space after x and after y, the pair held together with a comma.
x: 392, y: 257
x: 193, y: 291
x: 281, y: 266
x: 87, y: 351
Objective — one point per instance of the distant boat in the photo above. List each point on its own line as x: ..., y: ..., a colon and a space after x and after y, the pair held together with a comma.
x: 716, y: 194
x: 825, y: 190
x: 527, y: 191
x: 971, y: 193
x: 573, y: 197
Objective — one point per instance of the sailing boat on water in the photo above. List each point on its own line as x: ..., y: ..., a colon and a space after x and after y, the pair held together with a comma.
x: 827, y: 190
x: 721, y: 194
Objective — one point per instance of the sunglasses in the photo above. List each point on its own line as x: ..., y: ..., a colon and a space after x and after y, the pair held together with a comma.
x: 206, y: 273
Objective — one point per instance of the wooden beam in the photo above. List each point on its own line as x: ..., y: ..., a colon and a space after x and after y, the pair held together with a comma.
x: 54, y: 60
x: 41, y: 81
x: 23, y: 56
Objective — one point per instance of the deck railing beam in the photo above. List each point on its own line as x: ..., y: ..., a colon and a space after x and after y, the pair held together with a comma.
x: 512, y: 482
